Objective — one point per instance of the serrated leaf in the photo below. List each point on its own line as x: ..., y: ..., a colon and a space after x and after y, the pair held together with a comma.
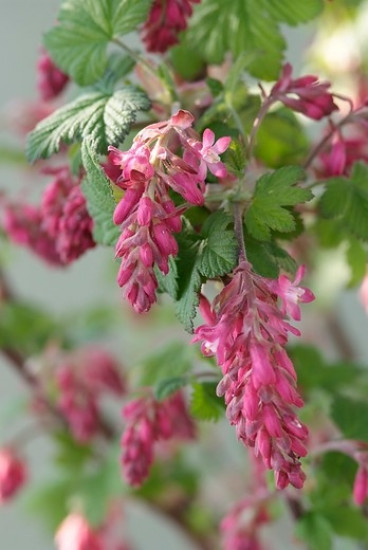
x: 219, y: 250
x: 168, y: 283
x: 346, y: 201
x: 102, y: 117
x: 351, y: 415
x: 205, y: 405
x: 250, y: 26
x: 267, y: 258
x: 100, y: 203
x: 78, y: 43
x: 172, y: 362
x: 164, y: 388
x: 189, y: 277
x: 272, y: 194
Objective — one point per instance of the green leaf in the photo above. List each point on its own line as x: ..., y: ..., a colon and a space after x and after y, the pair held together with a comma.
x: 219, y: 248
x: 281, y: 139
x: 174, y: 361
x: 267, y: 258
x: 235, y: 157
x: 346, y: 201
x: 272, y: 194
x: 351, y: 417
x: 348, y: 522
x: 103, y: 118
x: 100, y: 202
x: 168, y: 283
x: 166, y: 387
x: 315, y: 531
x: 189, y: 277
x: 78, y: 43
x: 50, y: 502
x: 205, y: 405
x: 70, y: 454
x: 250, y: 26
x: 356, y: 256
x: 179, y: 56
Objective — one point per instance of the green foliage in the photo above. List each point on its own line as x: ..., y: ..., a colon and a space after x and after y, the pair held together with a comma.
x: 236, y: 157
x: 172, y: 362
x: 205, y: 405
x: 350, y: 415
x: 79, y: 42
x: 26, y: 328
x: 70, y: 455
x: 219, y: 249
x: 50, y: 502
x: 356, y: 256
x: 267, y: 258
x: 168, y: 283
x: 96, y: 188
x: 281, y: 139
x: 314, y: 372
x: 101, y: 117
x: 346, y: 201
x: 315, y: 530
x: 274, y: 193
x: 166, y: 387
x: 209, y: 255
x: 250, y: 26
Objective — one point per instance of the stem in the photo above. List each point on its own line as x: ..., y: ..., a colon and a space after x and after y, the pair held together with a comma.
x: 258, y: 121
x: 134, y: 55
x: 239, y: 232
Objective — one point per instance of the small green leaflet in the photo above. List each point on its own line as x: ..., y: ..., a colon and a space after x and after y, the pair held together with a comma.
x: 166, y: 387
x: 209, y: 255
x: 350, y: 415
x: 251, y: 26
x: 273, y: 194
x: 267, y: 258
x: 205, y: 405
x: 100, y: 202
x: 174, y: 361
x: 315, y: 530
x: 79, y: 42
x: 101, y: 116
x: 346, y: 201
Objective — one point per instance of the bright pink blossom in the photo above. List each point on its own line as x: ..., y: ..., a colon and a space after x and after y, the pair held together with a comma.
x: 12, y: 474
x: 247, y: 330
x: 75, y: 533
x: 149, y: 421
x: 51, y: 81
x: 305, y: 95
x: 165, y: 20
x: 363, y: 292
x: 165, y: 155
x: 338, y: 158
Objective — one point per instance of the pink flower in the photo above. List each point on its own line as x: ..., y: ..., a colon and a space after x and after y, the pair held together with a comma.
x: 312, y: 98
x: 247, y: 332
x: 166, y: 19
x: 76, y: 534
x: 149, y: 421
x: 65, y: 217
x: 363, y: 293
x: 239, y: 528
x: 343, y: 151
x: 360, y: 489
x: 51, y: 81
x: 165, y: 155
x: 12, y: 474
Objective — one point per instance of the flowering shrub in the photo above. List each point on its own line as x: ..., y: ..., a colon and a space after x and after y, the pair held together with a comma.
x: 218, y: 206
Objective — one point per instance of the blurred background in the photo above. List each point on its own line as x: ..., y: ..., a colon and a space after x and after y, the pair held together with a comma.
x: 91, y: 279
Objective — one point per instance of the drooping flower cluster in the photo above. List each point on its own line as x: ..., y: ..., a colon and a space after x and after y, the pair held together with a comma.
x: 239, y: 528
x: 82, y: 377
x: 60, y: 229
x: 12, y: 474
x: 166, y: 19
x: 312, y: 97
x: 149, y: 421
x: 51, y: 81
x: 247, y: 331
x: 147, y: 214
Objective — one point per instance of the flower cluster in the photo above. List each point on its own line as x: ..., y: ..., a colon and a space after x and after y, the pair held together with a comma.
x: 312, y: 97
x: 239, y: 528
x: 247, y: 330
x: 60, y: 229
x: 51, y: 81
x: 12, y: 474
x: 146, y: 213
x: 149, y: 421
x: 165, y: 20
x: 82, y: 377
